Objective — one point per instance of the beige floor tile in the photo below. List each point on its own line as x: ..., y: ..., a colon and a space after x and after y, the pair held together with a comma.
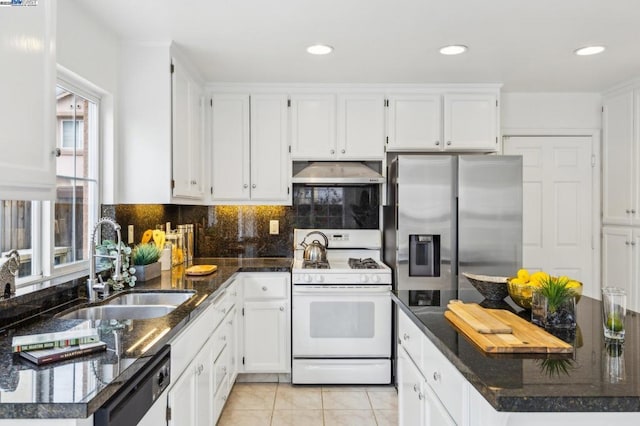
x: 382, y: 388
x: 297, y: 418
x: 255, y: 386
x: 342, y: 388
x: 383, y: 400
x: 290, y: 397
x: 252, y: 397
x: 386, y: 417
x: 349, y: 418
x: 351, y: 400
x: 245, y: 418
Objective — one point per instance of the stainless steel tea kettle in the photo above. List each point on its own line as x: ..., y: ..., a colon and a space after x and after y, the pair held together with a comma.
x: 315, y: 252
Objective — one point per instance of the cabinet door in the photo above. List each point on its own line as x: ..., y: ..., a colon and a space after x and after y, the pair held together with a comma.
x: 27, y: 110
x: 411, y: 407
x: 361, y: 129
x: 231, y: 322
x: 436, y: 413
x: 266, y: 337
x: 471, y: 122
x: 230, y: 148
x: 313, y: 127
x: 182, y: 399
x: 617, y: 159
x: 617, y: 259
x: 270, y: 162
x: 414, y: 123
x: 204, y: 386
x: 187, y: 138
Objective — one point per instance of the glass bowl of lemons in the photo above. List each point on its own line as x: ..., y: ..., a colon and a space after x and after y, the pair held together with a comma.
x: 522, y: 286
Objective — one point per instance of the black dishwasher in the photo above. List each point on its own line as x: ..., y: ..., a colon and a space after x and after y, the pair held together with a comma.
x: 127, y: 406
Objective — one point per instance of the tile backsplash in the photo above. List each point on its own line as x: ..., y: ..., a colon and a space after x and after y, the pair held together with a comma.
x: 220, y: 231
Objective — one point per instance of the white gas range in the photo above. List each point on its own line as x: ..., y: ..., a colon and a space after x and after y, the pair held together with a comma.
x: 341, y: 316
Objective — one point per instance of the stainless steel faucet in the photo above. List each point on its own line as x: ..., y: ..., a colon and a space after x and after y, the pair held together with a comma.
x: 93, y: 286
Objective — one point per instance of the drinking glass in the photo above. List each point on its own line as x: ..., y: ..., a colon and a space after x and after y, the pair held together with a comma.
x: 614, y: 309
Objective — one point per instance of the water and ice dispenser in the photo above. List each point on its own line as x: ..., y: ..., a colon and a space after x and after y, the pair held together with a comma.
x: 424, y: 255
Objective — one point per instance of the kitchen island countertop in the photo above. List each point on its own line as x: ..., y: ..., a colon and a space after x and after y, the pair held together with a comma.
x: 577, y: 382
x: 77, y: 387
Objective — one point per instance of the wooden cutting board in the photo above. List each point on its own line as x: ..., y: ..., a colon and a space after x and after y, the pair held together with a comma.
x: 525, y: 337
x: 200, y: 269
x: 478, y: 318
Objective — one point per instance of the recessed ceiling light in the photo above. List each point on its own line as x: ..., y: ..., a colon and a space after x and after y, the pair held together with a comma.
x: 454, y: 49
x: 319, y: 49
x: 589, y: 50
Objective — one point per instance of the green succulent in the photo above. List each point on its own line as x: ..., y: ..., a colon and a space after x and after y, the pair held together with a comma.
x: 145, y: 254
x: 556, y: 367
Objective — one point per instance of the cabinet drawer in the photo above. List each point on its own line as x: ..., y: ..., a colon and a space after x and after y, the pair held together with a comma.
x: 410, y: 337
x: 221, y: 368
x: 265, y: 287
x: 444, y: 379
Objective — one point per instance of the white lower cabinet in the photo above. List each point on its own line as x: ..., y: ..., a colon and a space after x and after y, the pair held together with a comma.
x: 621, y: 261
x: 431, y: 392
x: 266, y: 329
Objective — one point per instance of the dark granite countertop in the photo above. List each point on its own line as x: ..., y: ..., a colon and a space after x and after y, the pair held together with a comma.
x: 541, y: 383
x: 76, y: 388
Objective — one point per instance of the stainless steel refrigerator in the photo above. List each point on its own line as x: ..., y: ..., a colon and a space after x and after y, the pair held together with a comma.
x: 451, y: 214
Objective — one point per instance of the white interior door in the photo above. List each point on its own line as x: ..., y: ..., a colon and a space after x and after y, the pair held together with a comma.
x: 558, y: 204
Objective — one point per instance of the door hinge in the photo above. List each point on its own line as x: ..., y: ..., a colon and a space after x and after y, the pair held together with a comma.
x: 386, y: 103
x: 289, y: 149
x: 288, y: 103
x: 172, y: 69
x: 173, y: 183
x: 496, y: 139
x: 496, y: 103
x: 387, y: 140
x: 288, y: 190
x: 242, y: 311
x: 602, y: 108
x: 211, y: 190
x: 242, y: 360
x: 168, y: 415
x: 211, y: 102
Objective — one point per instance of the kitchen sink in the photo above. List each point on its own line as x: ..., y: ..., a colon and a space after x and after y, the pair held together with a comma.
x: 119, y: 312
x: 152, y: 298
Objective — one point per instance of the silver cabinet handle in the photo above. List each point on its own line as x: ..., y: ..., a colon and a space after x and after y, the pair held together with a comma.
x: 415, y: 388
x: 245, y: 185
x: 626, y: 243
x: 420, y: 396
x: 627, y: 211
x: 633, y: 243
x: 282, y: 308
x: 343, y: 151
x: 194, y: 182
x: 436, y: 376
x: 223, y: 338
x: 253, y: 186
x: 448, y: 142
x: 437, y: 143
x: 333, y: 151
x: 633, y: 210
x: 405, y: 336
x: 264, y: 288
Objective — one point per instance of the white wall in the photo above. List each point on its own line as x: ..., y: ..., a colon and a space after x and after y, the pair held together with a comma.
x: 542, y: 111
x: 90, y: 51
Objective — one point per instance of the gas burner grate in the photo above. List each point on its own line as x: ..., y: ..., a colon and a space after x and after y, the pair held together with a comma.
x: 367, y: 263
x: 309, y: 264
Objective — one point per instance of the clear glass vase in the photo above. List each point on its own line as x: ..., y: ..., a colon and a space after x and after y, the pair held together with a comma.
x: 544, y: 315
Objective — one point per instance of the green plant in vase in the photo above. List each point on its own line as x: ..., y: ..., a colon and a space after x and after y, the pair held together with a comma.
x: 145, y: 254
x: 560, y: 302
x: 109, y: 247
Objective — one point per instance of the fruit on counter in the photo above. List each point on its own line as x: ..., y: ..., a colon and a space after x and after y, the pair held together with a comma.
x: 146, y: 236
x: 614, y: 323
x: 522, y: 286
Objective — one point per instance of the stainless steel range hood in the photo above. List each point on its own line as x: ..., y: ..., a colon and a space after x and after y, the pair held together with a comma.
x: 337, y: 173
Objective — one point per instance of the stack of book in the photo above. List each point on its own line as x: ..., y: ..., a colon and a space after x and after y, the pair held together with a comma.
x: 51, y: 347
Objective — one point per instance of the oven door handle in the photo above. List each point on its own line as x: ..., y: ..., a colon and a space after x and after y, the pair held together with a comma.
x: 327, y: 290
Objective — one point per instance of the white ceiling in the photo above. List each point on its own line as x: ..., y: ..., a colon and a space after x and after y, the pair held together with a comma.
x: 526, y: 45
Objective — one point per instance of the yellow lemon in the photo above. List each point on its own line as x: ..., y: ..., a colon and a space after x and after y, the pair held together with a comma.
x: 523, y: 274
x: 573, y: 284
x: 519, y: 281
x: 540, y: 276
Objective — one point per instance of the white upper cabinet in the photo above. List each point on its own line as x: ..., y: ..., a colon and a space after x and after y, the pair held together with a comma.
x: 250, y: 152
x: 471, y: 122
x: 620, y: 159
x: 187, y: 133
x: 27, y: 109
x: 414, y: 123
x: 443, y: 122
x: 230, y: 171
x: 361, y: 130
x: 313, y: 126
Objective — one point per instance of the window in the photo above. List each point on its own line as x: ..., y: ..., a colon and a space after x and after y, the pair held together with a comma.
x: 27, y: 226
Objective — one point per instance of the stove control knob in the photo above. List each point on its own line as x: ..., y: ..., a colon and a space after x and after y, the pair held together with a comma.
x: 319, y: 278
x: 375, y: 278
x: 364, y: 278
x: 306, y: 278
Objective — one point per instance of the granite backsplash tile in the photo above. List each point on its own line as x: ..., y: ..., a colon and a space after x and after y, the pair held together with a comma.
x: 220, y: 231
